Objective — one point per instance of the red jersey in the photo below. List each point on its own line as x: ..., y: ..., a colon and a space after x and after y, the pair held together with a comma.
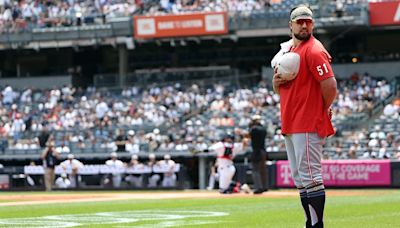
x: 302, y: 104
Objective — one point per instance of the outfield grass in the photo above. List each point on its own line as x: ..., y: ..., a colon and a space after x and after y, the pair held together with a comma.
x: 378, y: 208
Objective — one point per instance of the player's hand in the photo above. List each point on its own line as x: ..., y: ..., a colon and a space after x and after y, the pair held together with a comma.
x: 330, y: 113
x: 277, y: 80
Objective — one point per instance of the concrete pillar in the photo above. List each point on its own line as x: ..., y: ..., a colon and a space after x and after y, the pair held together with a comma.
x: 202, y: 172
x: 122, y: 65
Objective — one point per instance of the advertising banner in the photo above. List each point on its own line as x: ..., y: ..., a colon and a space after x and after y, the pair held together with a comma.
x: 343, y: 173
x: 198, y: 24
x: 384, y: 13
x: 4, y: 181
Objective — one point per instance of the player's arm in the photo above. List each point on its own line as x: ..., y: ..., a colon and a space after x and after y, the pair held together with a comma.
x: 277, y: 81
x: 319, y: 62
x: 44, y: 153
x: 329, y: 90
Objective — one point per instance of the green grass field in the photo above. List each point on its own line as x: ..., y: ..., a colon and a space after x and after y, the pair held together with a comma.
x: 375, y: 208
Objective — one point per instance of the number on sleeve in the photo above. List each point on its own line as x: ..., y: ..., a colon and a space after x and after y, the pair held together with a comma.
x: 320, y: 71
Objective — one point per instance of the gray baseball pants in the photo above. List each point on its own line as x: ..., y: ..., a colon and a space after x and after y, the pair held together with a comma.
x: 304, y: 152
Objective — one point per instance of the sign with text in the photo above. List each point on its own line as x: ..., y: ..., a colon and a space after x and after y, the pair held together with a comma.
x: 384, y: 13
x: 198, y: 24
x: 4, y: 181
x: 343, y: 173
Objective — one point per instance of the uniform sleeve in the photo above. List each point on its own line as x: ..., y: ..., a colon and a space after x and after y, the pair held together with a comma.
x: 319, y: 62
x: 215, y: 147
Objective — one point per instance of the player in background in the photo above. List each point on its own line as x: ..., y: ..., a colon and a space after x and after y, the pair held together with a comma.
x: 72, y: 166
x: 169, y: 177
x: 135, y: 180
x: 226, y: 150
x: 153, y: 178
x: 305, y: 111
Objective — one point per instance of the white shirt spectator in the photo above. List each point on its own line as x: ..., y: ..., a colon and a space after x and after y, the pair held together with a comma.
x: 101, y: 109
x: 8, y: 95
x: 389, y: 110
x: 26, y: 96
x: 132, y: 148
x: 63, y: 149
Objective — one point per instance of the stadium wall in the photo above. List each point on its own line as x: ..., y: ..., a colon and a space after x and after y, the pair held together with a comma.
x: 337, y: 173
x: 37, y: 82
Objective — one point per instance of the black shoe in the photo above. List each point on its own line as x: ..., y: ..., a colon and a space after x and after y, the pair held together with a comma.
x: 258, y: 191
x: 319, y: 225
x: 265, y: 189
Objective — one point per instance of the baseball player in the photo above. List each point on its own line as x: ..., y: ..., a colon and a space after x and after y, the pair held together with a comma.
x: 135, y: 180
x: 305, y: 111
x: 225, y: 151
x: 117, y: 166
x: 153, y: 177
x: 169, y: 177
x: 72, y: 166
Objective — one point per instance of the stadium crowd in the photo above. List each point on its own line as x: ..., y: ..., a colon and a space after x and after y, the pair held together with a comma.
x: 178, y: 118
x: 22, y: 15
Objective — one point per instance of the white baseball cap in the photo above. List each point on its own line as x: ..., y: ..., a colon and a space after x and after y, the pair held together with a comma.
x: 301, y: 12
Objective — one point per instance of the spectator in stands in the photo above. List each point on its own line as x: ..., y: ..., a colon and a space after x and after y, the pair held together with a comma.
x: 352, y: 153
x: 43, y: 137
x: 338, y: 150
x: 116, y: 165
x: 121, y: 140
x: 136, y: 180
x: 391, y: 111
x: 169, y: 176
x: 62, y: 148
x: 63, y: 181
x: 50, y: 159
x: 153, y: 177
x: 101, y: 109
x: 8, y: 95
x: 109, y: 145
x: 72, y: 166
x: 132, y: 146
x: 17, y: 127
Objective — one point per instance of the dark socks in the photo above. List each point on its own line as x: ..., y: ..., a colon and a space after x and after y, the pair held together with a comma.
x: 316, y: 201
x: 304, y: 203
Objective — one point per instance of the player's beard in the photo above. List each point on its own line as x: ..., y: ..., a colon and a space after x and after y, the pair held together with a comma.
x: 302, y: 35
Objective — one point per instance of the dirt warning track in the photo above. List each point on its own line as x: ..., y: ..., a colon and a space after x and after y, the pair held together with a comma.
x: 64, y: 197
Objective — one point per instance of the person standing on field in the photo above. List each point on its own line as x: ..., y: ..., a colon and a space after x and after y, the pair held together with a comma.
x: 50, y: 159
x: 305, y: 111
x: 258, y: 134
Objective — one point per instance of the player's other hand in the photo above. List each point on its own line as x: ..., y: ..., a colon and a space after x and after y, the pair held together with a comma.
x: 330, y: 113
x: 278, y: 80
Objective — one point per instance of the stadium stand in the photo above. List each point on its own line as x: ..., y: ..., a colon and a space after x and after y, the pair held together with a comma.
x: 171, y: 118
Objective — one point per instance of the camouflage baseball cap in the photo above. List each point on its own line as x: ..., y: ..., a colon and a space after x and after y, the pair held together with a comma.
x: 301, y: 12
